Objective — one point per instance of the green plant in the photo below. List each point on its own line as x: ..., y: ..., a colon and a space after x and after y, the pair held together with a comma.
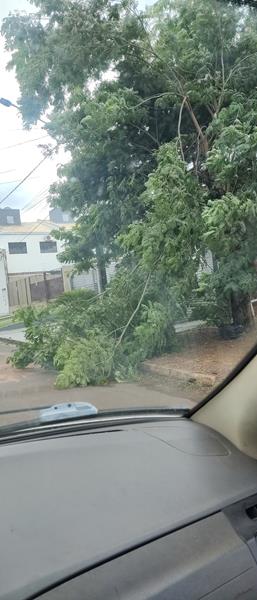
x: 210, y: 306
x: 78, y: 298
x: 105, y: 337
x: 155, y: 334
x: 84, y: 361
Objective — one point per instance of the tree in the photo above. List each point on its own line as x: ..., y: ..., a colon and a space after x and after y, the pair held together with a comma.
x: 178, y: 116
x: 169, y: 238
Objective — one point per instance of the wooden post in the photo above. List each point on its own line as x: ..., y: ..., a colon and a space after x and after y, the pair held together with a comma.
x: 46, y: 287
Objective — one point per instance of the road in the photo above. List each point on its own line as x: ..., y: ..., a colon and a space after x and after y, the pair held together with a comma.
x: 34, y: 387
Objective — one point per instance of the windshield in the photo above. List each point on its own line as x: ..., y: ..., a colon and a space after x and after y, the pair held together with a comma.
x: 128, y: 202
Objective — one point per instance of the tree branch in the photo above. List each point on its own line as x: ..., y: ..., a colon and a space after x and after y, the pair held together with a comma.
x: 146, y: 133
x: 210, y: 111
x: 156, y: 55
x: 135, y: 311
x: 202, y: 137
x: 148, y: 100
x: 179, y: 126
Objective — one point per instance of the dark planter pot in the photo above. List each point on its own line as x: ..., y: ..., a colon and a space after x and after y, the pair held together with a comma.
x: 230, y: 332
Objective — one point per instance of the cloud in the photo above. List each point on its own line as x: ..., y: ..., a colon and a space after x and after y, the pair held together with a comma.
x: 16, y: 157
x: 19, y: 153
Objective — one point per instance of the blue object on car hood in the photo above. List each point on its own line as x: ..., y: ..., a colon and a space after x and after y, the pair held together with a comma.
x: 68, y: 410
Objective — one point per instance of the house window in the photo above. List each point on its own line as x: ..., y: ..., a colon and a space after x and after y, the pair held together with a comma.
x: 9, y: 220
x: 17, y: 247
x: 48, y: 246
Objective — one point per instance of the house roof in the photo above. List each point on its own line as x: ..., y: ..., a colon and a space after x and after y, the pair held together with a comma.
x: 40, y: 226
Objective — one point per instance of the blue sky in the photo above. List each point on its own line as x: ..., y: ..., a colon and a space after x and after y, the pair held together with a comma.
x: 19, y: 149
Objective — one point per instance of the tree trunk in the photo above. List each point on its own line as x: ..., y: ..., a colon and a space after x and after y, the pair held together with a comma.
x: 240, y: 308
x: 100, y: 261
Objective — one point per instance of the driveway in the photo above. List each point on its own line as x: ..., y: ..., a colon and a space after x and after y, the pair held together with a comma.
x: 34, y: 387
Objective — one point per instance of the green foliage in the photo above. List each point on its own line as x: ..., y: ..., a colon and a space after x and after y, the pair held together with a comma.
x: 76, y: 298
x: 163, y: 160
x: 155, y: 334
x: 169, y: 239
x: 84, y: 361
x: 80, y: 334
x: 209, y: 305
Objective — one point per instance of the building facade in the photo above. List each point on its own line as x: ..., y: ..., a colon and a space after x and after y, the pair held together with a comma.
x: 31, y: 270
x: 10, y: 216
x: 56, y: 215
x: 30, y: 247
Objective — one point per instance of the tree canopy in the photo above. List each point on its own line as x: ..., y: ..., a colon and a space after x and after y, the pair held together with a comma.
x: 158, y: 111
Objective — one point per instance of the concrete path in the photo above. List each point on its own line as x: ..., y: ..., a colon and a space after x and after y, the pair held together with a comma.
x: 14, y: 332
x: 188, y: 326
x: 15, y: 335
x: 34, y: 387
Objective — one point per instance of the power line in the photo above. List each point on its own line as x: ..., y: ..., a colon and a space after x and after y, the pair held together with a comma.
x: 43, y: 191
x: 40, y: 221
x: 14, y: 181
x: 31, y: 204
x: 25, y: 142
x: 26, y: 177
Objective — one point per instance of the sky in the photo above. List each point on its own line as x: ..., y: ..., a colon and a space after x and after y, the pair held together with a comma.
x: 19, y: 148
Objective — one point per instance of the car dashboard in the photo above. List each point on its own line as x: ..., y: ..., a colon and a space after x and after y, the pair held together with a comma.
x: 156, y: 510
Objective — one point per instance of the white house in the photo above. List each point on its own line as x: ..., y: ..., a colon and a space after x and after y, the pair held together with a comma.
x: 30, y: 265
x: 30, y: 247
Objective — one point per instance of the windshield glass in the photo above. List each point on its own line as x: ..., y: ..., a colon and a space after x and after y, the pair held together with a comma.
x: 128, y: 202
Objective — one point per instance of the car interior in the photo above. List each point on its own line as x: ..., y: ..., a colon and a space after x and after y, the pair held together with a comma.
x: 136, y: 292
x: 148, y: 505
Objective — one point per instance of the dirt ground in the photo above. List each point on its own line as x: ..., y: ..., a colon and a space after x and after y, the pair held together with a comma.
x: 204, y: 356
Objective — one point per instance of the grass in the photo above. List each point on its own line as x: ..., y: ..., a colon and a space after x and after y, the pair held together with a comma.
x: 5, y: 321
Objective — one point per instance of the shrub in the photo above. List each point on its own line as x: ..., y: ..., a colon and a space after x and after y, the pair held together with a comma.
x: 78, y: 298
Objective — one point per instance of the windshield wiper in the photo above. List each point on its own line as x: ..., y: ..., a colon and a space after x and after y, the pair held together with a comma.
x: 38, y: 428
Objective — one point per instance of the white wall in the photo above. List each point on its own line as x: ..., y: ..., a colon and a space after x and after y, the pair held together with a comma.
x: 4, y: 302
x: 32, y: 261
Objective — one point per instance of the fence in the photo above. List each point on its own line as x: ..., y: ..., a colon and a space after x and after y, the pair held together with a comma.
x: 25, y: 289
x: 41, y: 287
